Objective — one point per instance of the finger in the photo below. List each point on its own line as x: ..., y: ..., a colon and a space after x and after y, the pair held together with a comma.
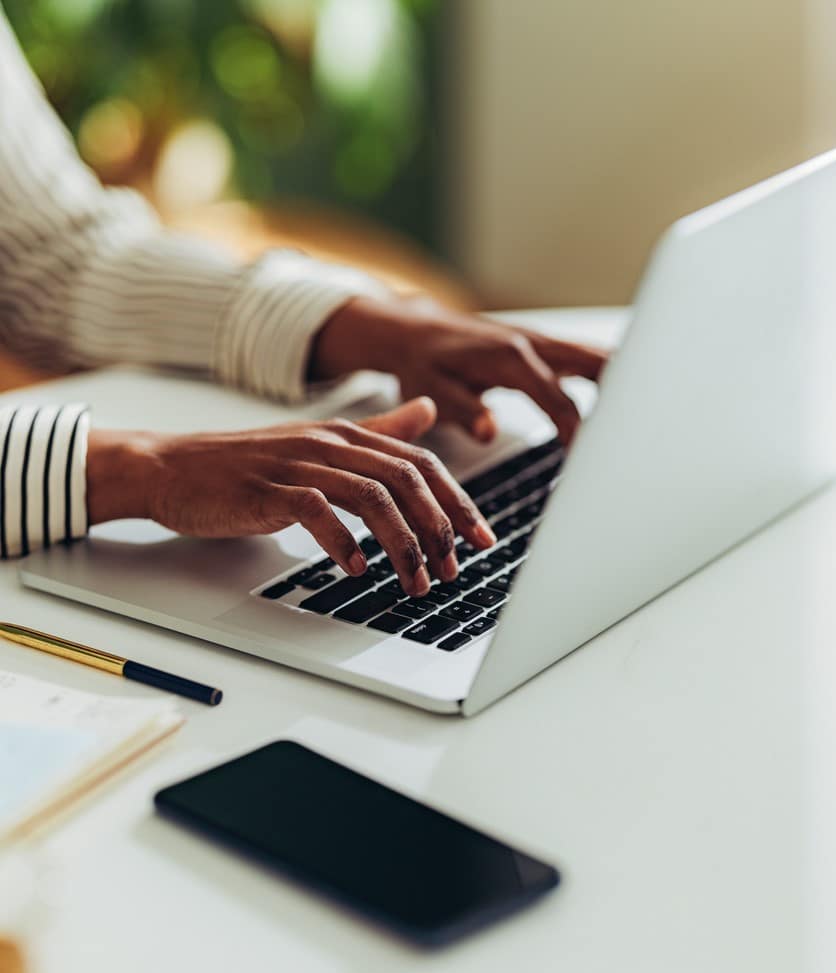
x: 525, y: 370
x: 457, y: 403
x: 408, y: 422
x: 309, y: 507
x: 566, y: 358
x: 370, y: 500
x: 410, y: 492
x: 459, y: 507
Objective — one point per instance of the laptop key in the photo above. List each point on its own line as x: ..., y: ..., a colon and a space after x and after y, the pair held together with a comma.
x: 460, y: 611
x: 390, y: 623
x: 484, y: 567
x: 479, y: 627
x: 527, y: 487
x: 367, y: 607
x: 304, y: 575
x: 504, y: 554
x: 369, y: 546
x: 379, y: 571
x: 278, y: 590
x: 519, y: 546
x: 325, y: 564
x: 453, y: 642
x: 533, y: 510
x: 484, y: 597
x: 430, y: 630
x: 438, y: 596
x: 502, y: 500
x: 502, y: 583
x: 466, y: 579
x: 415, y: 608
x: 329, y: 599
x: 395, y: 587
x: 319, y: 581
x: 495, y: 613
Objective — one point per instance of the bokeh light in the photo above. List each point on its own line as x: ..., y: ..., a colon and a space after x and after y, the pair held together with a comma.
x: 110, y: 135
x: 293, y: 22
x: 312, y: 99
x: 352, y: 38
x: 193, y: 167
x: 74, y: 14
x: 245, y: 62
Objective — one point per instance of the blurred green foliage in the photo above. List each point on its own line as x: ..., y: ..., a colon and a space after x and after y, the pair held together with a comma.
x: 324, y: 99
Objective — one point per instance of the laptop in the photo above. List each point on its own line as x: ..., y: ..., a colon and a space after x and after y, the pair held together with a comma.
x: 716, y: 415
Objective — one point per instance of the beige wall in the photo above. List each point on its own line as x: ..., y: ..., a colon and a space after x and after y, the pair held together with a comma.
x: 581, y: 128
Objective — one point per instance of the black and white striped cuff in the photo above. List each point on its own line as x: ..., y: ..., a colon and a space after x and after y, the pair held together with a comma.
x: 43, y: 488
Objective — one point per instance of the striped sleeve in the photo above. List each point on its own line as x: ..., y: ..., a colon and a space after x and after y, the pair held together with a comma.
x: 88, y: 276
x: 42, y: 476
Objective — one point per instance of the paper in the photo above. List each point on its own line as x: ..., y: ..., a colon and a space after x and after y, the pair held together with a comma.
x: 31, y: 757
x: 56, y: 743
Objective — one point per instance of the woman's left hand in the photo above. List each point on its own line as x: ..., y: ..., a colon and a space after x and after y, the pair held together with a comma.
x: 453, y: 358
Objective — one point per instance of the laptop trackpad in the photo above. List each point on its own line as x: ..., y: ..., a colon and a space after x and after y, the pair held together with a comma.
x: 272, y: 625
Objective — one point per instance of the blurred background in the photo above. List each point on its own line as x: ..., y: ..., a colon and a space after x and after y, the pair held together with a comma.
x: 498, y: 154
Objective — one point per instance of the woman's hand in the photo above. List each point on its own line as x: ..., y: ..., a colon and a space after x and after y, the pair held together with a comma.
x: 453, y: 358
x: 257, y: 482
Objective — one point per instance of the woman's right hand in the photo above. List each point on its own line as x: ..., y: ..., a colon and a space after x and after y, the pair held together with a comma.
x: 262, y: 480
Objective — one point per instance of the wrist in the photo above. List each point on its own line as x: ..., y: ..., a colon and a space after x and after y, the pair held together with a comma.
x: 365, y: 333
x: 120, y: 470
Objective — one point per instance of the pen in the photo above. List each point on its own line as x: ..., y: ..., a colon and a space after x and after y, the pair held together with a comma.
x: 110, y: 663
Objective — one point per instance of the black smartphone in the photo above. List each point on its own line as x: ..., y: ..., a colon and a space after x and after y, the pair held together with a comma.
x: 423, y: 874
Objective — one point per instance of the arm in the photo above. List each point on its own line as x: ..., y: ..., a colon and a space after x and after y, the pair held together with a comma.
x: 88, y: 276
x: 262, y: 480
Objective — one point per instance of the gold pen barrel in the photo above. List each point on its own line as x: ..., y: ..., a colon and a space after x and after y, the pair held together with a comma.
x: 63, y: 648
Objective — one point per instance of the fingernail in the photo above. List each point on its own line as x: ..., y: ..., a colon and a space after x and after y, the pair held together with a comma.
x: 356, y: 563
x: 421, y: 581
x: 485, y: 534
x: 483, y: 428
x: 450, y: 567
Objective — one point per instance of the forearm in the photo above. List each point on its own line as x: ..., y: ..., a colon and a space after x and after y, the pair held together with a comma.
x: 119, y: 471
x: 362, y: 334
x: 88, y: 276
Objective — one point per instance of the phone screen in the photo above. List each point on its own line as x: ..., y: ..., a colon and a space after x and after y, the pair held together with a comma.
x: 421, y: 872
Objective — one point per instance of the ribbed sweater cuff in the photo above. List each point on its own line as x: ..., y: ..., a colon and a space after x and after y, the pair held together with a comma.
x: 264, y: 340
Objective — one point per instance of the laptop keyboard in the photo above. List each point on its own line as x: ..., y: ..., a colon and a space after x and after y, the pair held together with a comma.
x: 511, y: 495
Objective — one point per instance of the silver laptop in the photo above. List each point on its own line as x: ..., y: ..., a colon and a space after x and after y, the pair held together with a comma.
x: 716, y: 415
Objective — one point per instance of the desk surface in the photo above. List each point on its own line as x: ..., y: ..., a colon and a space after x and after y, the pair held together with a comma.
x: 680, y: 770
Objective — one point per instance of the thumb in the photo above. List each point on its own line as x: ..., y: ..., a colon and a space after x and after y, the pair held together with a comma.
x: 408, y: 422
x: 457, y: 403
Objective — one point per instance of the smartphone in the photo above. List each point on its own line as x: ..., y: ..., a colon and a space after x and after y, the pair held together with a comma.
x: 423, y: 874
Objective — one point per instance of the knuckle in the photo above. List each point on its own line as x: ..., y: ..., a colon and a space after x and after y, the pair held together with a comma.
x: 311, y: 503
x: 446, y: 536
x: 373, y: 495
x: 469, y: 512
x: 340, y: 426
x: 427, y: 463
x: 405, y: 474
x: 264, y: 507
x: 295, y: 447
x: 412, y: 555
x: 519, y: 344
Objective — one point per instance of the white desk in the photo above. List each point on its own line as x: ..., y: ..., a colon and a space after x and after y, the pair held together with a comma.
x: 680, y: 770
